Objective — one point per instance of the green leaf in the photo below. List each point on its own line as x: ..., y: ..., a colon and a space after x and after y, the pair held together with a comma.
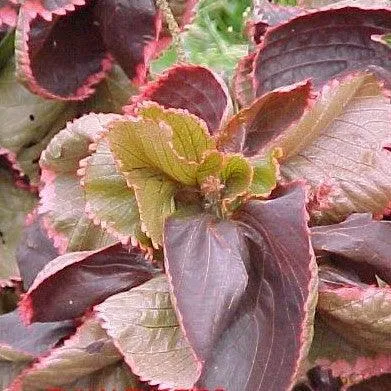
x: 149, y: 156
x: 144, y: 326
x: 109, y: 200
x: 266, y: 173
x: 28, y: 122
x: 15, y: 204
x: 236, y: 176
x: 62, y: 198
x: 190, y: 136
x: 87, y: 351
x: 211, y: 165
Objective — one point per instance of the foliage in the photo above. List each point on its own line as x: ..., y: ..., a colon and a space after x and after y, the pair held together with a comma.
x: 196, y: 233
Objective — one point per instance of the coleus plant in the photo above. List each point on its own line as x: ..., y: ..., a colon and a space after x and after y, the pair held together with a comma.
x: 221, y: 202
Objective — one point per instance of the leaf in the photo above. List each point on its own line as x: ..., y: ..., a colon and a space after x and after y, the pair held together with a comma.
x: 24, y: 343
x: 237, y: 175
x: 242, y: 83
x: 79, y: 280
x: 358, y: 312
x: 64, y: 59
x: 35, y: 250
x: 193, y: 88
x: 109, y: 200
x: 15, y: 204
x: 130, y: 30
x: 210, y: 166
x: 360, y: 240
x: 266, y: 173
x: 265, y: 344
x: 49, y: 8
x: 62, y: 199
x: 205, y: 260
x: 325, y: 44
x: 268, y: 14
x: 340, y: 142
x: 9, y: 370
x: 190, y: 137
x: 253, y: 127
x: 149, y: 336
x: 151, y: 165
x: 87, y: 351
x: 28, y: 122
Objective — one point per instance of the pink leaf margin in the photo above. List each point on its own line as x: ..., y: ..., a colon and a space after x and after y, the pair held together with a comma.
x: 23, y: 64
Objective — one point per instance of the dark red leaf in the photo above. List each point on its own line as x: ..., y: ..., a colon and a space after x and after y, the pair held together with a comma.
x: 76, y: 281
x: 267, y: 14
x: 34, y: 339
x: 48, y: 8
x: 193, y: 88
x: 250, y: 130
x: 378, y: 383
x: 360, y: 240
x: 205, y: 260
x: 62, y: 59
x: 264, y: 346
x: 130, y: 30
x: 35, y: 250
x: 324, y: 44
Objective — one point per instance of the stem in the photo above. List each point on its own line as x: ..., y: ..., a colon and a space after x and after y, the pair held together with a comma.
x: 173, y: 28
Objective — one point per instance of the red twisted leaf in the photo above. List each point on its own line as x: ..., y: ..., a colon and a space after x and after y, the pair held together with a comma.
x: 242, y: 83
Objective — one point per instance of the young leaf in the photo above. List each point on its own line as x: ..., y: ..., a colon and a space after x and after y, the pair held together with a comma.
x: 109, y: 200
x: 15, y: 204
x: 28, y: 122
x: 62, y: 199
x: 145, y: 329
x: 23, y: 343
x: 340, y: 142
x: 153, y: 168
x: 35, y: 250
x: 236, y: 175
x: 64, y: 59
x: 206, y: 263
x: 85, y: 352
x: 360, y: 240
x: 265, y: 173
x: 193, y: 88
x: 76, y: 281
x: 190, y: 137
x: 325, y: 44
x: 269, y: 337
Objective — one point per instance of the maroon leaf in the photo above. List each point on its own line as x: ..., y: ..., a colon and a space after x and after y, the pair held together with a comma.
x: 325, y: 44
x: 267, y: 14
x: 264, y: 346
x: 359, y: 240
x: 243, y: 88
x: 8, y: 13
x: 31, y: 340
x: 205, y: 261
x: 253, y: 127
x: 35, y: 250
x: 377, y: 383
x: 76, y: 281
x: 190, y: 87
x: 130, y: 30
x: 62, y: 59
